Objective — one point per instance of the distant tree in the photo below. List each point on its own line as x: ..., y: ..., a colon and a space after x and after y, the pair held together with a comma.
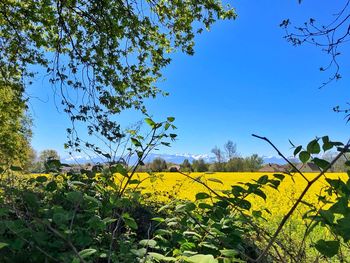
x: 235, y: 164
x: 220, y: 158
x: 38, y: 165
x: 230, y: 149
x: 186, y: 166
x: 199, y: 166
x: 48, y: 154
x: 340, y: 164
x: 219, y: 154
x: 30, y: 163
x: 253, y: 163
x: 158, y: 165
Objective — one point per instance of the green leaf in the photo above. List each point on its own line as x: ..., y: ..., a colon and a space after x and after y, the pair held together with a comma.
x: 202, y: 195
x: 161, y: 258
x: 244, y: 204
x: 16, y: 168
x: 129, y: 221
x: 327, y: 145
x: 92, y: 200
x: 108, y: 220
x: 199, y: 258
x: 150, y: 122
x: 229, y: 253
x: 327, y: 215
x: 60, y: 218
x: 185, y: 207
x: 139, y: 252
x: 279, y: 176
x: 237, y: 190
x: 205, y: 206
x: 158, y: 219
x: 342, y: 228
x: 170, y: 119
x: 323, y: 164
x: 31, y: 200
x: 327, y: 248
x: 135, y: 142
x: 41, y: 179
x: 260, y: 193
x: 75, y: 197
x: 274, y: 183
x: 190, y: 207
x: 304, y: 156
x: 313, y: 147
x: 263, y: 179
x: 87, y: 252
x: 2, y: 245
x: 215, y: 180
x: 148, y: 243
x: 257, y: 213
x: 134, y: 181
x: 51, y: 186
x: 297, y: 150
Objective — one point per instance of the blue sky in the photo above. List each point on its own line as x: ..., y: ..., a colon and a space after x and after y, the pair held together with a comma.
x: 244, y: 78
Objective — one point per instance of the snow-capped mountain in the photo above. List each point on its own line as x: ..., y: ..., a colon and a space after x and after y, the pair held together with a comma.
x: 170, y: 158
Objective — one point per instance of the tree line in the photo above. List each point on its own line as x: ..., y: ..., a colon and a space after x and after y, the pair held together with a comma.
x: 226, y: 160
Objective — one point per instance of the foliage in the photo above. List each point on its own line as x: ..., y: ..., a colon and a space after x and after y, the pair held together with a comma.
x: 76, y: 217
x: 199, y: 166
x: 64, y: 218
x: 158, y: 165
x: 97, y: 215
x: 229, y: 160
x: 108, y: 53
x: 45, y: 156
x: 186, y: 166
x: 48, y: 154
x: 15, y: 133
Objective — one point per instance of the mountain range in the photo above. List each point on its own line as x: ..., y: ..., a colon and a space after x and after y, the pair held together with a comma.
x: 170, y: 158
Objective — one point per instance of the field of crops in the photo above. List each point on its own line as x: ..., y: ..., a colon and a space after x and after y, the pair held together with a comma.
x: 175, y: 185
x: 169, y: 186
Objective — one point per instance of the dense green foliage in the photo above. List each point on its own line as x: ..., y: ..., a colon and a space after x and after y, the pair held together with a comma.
x: 15, y: 132
x: 91, y: 217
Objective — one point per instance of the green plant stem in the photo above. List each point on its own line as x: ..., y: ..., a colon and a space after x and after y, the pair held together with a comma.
x: 147, y: 148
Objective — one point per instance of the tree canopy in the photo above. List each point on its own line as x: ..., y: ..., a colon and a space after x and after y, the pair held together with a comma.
x: 109, y: 54
x: 15, y: 134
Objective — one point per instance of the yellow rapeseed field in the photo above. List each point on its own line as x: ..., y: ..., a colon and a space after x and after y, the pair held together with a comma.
x: 175, y: 185
x: 168, y: 186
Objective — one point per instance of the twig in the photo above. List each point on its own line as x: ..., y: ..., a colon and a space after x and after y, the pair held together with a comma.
x: 280, y: 154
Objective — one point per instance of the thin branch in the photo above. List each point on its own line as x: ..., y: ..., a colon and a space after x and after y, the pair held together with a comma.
x: 280, y: 154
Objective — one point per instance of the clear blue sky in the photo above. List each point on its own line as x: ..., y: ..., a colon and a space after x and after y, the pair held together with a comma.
x: 244, y: 78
